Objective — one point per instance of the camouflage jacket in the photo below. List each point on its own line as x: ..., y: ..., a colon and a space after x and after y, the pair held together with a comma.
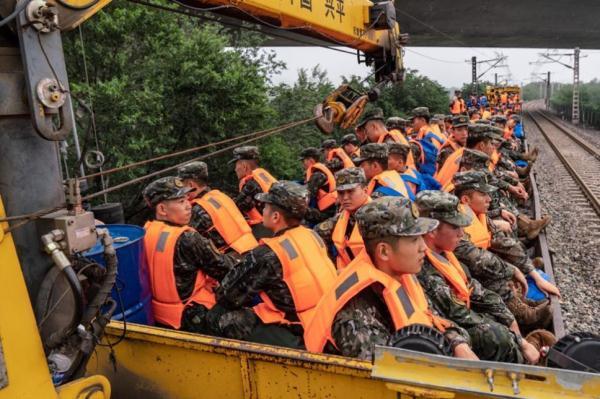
x: 245, y: 199
x: 485, y: 304
x: 193, y: 252
x: 317, y: 181
x: 365, y: 322
x: 325, y: 231
x: 486, y: 267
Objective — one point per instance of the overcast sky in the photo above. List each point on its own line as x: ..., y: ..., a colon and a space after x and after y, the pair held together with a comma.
x: 445, y: 65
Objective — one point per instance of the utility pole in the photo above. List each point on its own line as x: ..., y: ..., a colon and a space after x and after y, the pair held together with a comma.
x: 474, y: 86
x: 575, y: 112
x: 496, y: 79
x: 548, y: 91
x: 575, y: 67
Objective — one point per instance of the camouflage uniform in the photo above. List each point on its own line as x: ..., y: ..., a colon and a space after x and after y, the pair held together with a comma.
x: 318, y: 181
x: 245, y: 199
x: 364, y: 321
x: 261, y: 271
x: 487, y: 319
x: 505, y: 246
x: 447, y: 150
x: 193, y: 253
x: 345, y: 179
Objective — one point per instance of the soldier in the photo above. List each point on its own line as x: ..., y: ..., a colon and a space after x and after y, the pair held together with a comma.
x: 396, y: 123
x: 374, y: 161
x: 253, y: 180
x: 183, y: 265
x: 473, y: 191
x: 493, y: 329
x: 351, y: 146
x: 378, y: 294
x: 214, y: 214
x: 397, y: 156
x: 456, y: 141
x: 335, y: 157
x: 321, y: 187
x: 340, y: 232
x: 289, y: 272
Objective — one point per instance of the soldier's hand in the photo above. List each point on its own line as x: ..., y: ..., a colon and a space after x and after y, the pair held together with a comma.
x: 520, y: 279
x: 464, y: 351
x: 508, y: 216
x: 547, y: 287
x: 503, y: 226
x: 518, y: 192
x: 530, y: 353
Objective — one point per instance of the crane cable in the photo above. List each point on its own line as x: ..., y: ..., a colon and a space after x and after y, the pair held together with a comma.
x: 255, y: 136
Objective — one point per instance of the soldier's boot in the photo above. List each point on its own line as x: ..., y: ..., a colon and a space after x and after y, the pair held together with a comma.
x: 542, y: 340
x: 531, y: 228
x: 530, y: 317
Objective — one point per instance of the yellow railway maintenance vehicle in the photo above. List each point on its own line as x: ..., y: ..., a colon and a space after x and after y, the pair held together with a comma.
x: 44, y: 230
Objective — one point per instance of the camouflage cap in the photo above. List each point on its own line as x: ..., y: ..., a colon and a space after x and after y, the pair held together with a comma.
x: 516, y: 118
x: 328, y: 144
x: 472, y: 180
x: 474, y: 158
x: 460, y: 120
x: 499, y: 119
x: 442, y: 206
x: 249, y: 152
x: 311, y: 152
x: 196, y: 170
x: 371, y: 115
x: 439, y: 117
x: 420, y: 111
x: 350, y: 139
x: 392, y: 216
x: 448, y: 118
x: 479, y: 132
x: 395, y: 122
x: 372, y: 151
x: 483, y: 122
x: 398, y: 148
x: 163, y: 189
x: 349, y: 178
x: 287, y: 195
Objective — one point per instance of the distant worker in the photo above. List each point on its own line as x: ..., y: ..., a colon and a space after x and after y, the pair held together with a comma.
x: 252, y: 180
x: 214, y: 214
x: 289, y: 272
x: 430, y: 141
x: 320, y: 183
x: 378, y: 294
x: 458, y: 105
x: 183, y: 266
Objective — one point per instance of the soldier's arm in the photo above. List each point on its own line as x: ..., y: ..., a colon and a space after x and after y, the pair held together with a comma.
x: 444, y: 300
x: 315, y: 183
x: 482, y: 264
x: 325, y: 231
x: 196, y: 252
x: 240, y: 287
x: 245, y: 199
x: 201, y: 220
x: 334, y: 164
x: 356, y: 330
x: 490, y: 303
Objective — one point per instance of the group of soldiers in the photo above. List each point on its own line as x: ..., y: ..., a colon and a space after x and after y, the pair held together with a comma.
x: 408, y: 223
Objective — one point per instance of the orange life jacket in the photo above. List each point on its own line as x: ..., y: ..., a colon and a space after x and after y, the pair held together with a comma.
x: 456, y: 107
x: 508, y: 133
x: 503, y: 98
x: 450, y: 268
x: 341, y: 154
x: 450, y: 167
x: 159, y: 247
x: 478, y: 231
x: 264, y: 180
x: 228, y: 221
x: 398, y: 137
x: 307, y: 271
x: 391, y: 179
x: 405, y: 301
x: 325, y: 199
x: 463, y: 106
x: 347, y: 247
x: 494, y: 161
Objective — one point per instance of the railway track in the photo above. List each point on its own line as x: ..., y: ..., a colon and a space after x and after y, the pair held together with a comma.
x: 580, y: 159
